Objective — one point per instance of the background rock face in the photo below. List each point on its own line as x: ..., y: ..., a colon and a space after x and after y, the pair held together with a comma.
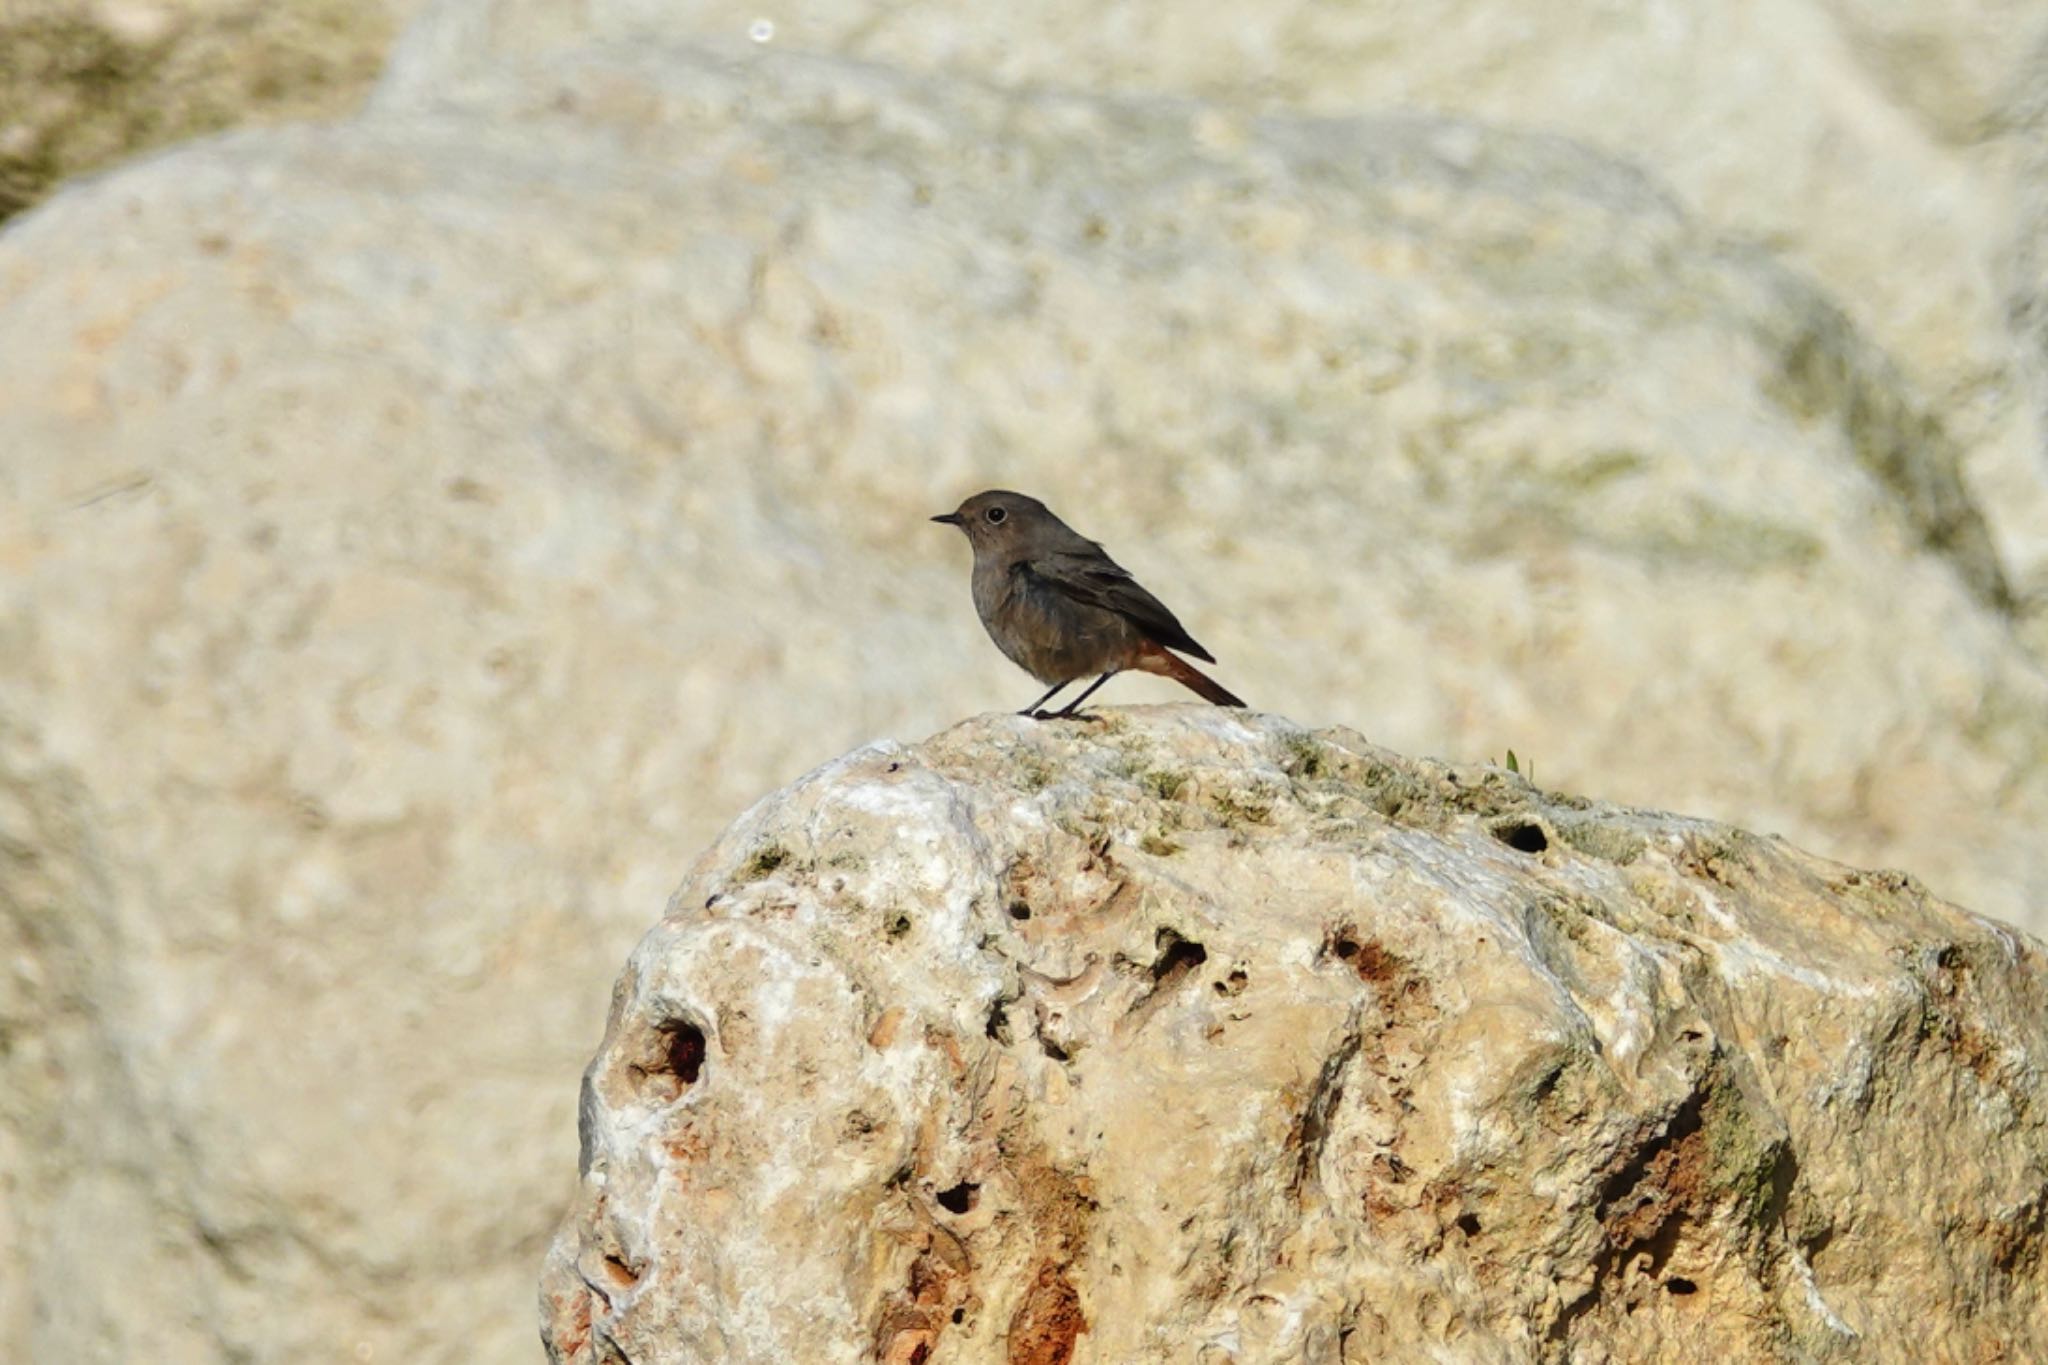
x: 419, y: 533
x: 1192, y: 1036
x: 1886, y: 149
x: 84, y: 83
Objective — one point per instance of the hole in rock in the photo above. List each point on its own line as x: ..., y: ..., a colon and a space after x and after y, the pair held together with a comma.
x: 1019, y: 910
x: 1177, y: 956
x: 920, y: 1353
x: 959, y: 1315
x: 998, y: 1026
x: 960, y: 1198
x: 683, y: 1047
x: 666, y: 1060
x: 1468, y: 1224
x: 624, y: 1274
x: 1524, y: 835
x: 899, y: 926
x: 1234, y: 984
x: 1373, y: 961
x: 1678, y: 1284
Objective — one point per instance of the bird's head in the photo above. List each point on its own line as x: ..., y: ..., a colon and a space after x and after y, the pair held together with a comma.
x: 1000, y: 521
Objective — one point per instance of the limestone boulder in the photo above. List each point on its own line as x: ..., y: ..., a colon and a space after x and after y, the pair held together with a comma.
x: 1189, y: 1035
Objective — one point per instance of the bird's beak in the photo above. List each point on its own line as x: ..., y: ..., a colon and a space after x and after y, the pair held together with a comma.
x: 949, y: 519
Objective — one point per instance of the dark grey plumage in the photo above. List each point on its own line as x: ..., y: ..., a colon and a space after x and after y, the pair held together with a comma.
x: 1060, y: 608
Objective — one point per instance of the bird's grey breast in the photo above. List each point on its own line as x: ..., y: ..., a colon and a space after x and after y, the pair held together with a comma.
x: 1041, y: 629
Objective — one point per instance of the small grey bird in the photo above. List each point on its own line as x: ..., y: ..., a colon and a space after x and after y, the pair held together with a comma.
x: 1061, y: 609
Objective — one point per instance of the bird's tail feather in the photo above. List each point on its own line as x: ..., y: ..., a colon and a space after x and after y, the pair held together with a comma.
x: 1187, y: 675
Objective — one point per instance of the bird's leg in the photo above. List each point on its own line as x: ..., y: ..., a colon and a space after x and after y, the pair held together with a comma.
x: 1075, y: 705
x: 1032, y: 710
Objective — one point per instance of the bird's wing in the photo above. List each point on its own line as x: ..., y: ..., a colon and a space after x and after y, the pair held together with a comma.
x: 1099, y: 581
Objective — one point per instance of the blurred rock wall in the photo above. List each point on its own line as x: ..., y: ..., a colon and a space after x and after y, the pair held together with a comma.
x: 85, y: 84
x: 420, y: 533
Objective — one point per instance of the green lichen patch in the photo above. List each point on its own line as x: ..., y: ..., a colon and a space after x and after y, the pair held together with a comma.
x: 1165, y: 784
x: 764, y: 861
x: 1236, y: 807
x: 1158, y: 845
x: 1603, y: 839
x: 1304, y: 757
x: 1034, y: 773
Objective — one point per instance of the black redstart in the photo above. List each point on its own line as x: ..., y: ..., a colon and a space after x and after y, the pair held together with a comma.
x: 1061, y: 609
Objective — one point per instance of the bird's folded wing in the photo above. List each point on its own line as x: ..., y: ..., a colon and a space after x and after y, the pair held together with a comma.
x: 1100, y: 581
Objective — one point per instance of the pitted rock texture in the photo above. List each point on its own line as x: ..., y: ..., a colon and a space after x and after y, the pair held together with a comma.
x: 1188, y: 1036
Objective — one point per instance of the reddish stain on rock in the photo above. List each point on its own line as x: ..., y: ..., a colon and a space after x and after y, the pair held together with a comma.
x: 1048, y: 1322
x: 569, y: 1324
x: 937, y: 1290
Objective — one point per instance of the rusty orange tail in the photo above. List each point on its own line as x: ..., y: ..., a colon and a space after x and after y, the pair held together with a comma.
x: 1153, y: 659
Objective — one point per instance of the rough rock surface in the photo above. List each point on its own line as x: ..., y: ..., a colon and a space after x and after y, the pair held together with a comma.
x: 86, y: 83
x: 414, y: 532
x: 1195, y: 1036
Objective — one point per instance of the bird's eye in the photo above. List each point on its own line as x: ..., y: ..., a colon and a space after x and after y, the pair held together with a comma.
x: 996, y: 516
